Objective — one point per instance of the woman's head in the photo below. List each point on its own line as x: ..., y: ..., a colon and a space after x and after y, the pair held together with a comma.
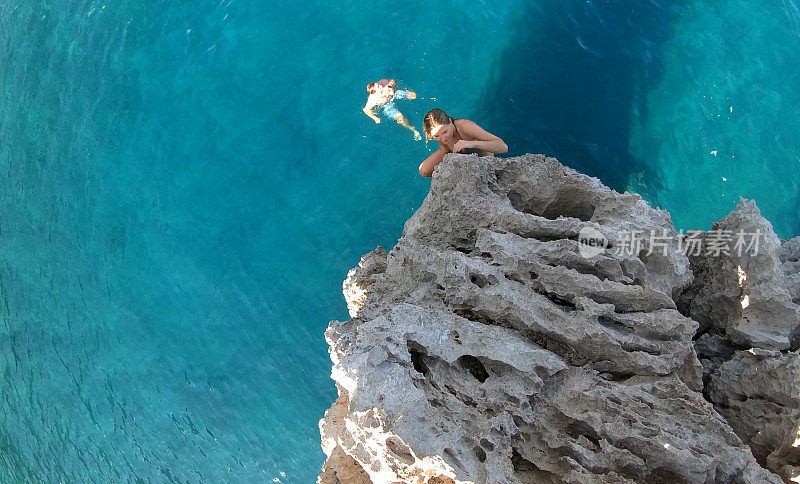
x: 437, y: 124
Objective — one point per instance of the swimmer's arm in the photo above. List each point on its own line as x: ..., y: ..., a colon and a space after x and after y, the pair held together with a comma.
x: 483, y: 140
x: 426, y: 167
x: 372, y: 101
x: 368, y: 111
x: 405, y: 94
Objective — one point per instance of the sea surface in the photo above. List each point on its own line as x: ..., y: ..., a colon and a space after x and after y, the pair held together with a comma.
x: 184, y: 186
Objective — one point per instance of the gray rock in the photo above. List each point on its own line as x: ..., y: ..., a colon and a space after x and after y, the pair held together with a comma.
x: 745, y: 294
x: 789, y: 256
x: 746, y: 303
x: 488, y: 346
x: 757, y: 393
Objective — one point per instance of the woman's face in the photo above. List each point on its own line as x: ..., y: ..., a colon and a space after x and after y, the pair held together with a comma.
x: 443, y: 133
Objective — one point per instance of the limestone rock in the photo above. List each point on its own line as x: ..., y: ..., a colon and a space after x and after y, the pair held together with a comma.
x: 746, y: 303
x: 789, y: 256
x: 744, y: 292
x: 488, y: 346
x: 757, y: 393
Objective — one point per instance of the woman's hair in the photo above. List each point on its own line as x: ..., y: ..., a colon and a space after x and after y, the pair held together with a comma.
x: 371, y: 87
x: 434, y: 117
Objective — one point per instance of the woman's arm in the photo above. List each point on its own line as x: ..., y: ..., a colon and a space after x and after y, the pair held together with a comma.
x: 426, y: 167
x: 483, y: 140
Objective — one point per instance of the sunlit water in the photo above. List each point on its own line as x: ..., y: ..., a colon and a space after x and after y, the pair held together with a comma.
x: 185, y: 185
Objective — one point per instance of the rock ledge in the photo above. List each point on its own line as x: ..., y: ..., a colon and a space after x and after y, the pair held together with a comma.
x: 489, y: 346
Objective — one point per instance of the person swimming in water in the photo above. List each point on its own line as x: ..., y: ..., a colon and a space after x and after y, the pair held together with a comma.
x: 382, y: 94
x: 456, y: 136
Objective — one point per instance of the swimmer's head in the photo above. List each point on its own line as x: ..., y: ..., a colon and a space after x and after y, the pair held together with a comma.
x: 374, y: 87
x: 436, y: 122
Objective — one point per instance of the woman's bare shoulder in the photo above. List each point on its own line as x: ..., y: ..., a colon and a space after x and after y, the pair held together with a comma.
x: 468, y: 128
x: 463, y: 122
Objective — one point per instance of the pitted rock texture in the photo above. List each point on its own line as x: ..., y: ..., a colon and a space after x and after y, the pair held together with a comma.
x: 746, y: 303
x: 485, y: 348
x: 757, y: 393
x: 747, y: 295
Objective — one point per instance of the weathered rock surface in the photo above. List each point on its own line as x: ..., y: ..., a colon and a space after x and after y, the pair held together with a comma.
x: 746, y: 294
x: 757, y: 392
x: 486, y: 347
x: 746, y: 303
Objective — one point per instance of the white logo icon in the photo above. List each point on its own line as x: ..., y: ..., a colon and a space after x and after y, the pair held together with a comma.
x: 591, y: 242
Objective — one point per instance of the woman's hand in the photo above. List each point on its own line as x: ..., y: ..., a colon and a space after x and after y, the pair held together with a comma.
x: 481, y: 139
x: 462, y: 145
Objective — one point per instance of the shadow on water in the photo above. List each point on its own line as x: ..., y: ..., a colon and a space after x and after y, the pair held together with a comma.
x: 571, y: 82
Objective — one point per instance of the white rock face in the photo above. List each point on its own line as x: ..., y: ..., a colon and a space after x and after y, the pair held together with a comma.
x: 485, y: 348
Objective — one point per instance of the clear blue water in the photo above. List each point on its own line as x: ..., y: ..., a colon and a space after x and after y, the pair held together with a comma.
x: 186, y: 184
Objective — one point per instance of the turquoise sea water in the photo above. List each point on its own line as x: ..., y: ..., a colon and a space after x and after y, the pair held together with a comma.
x: 186, y: 184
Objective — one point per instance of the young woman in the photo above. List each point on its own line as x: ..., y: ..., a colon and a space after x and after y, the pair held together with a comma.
x: 456, y: 136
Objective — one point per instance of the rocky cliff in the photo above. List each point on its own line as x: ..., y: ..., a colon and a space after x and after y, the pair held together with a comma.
x: 534, y: 326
